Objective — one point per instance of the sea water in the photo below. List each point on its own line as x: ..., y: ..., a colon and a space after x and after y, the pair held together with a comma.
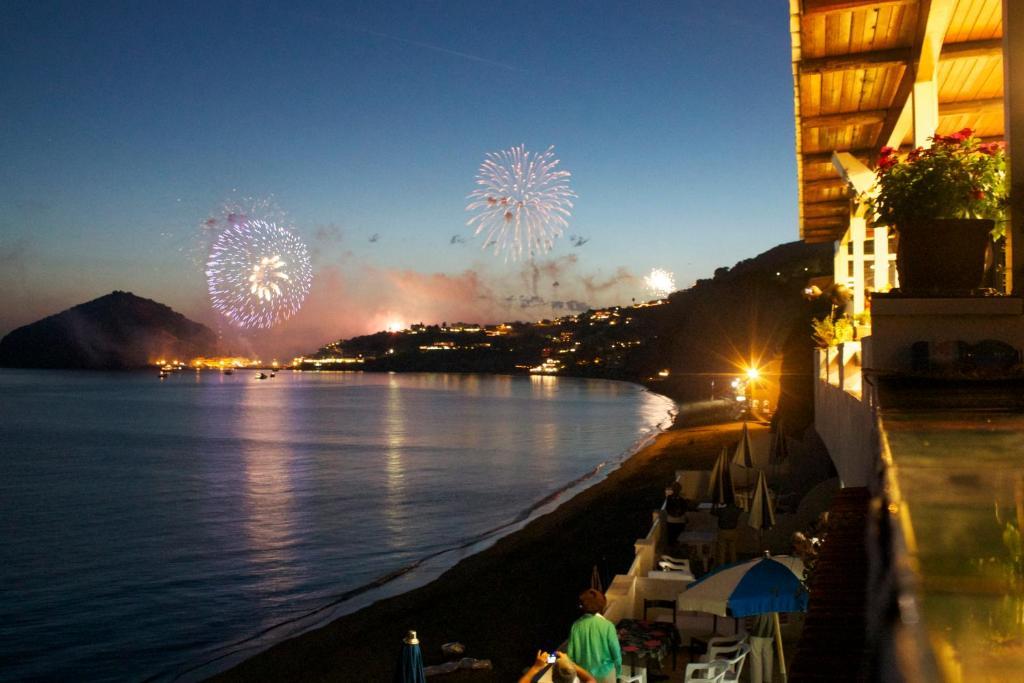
x: 166, y: 528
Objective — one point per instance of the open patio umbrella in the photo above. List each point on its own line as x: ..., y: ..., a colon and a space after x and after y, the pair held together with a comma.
x: 720, y: 485
x: 410, y: 663
x: 762, y: 514
x: 765, y: 585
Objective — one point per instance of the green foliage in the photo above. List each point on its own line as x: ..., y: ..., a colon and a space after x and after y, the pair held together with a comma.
x: 832, y: 333
x: 957, y: 177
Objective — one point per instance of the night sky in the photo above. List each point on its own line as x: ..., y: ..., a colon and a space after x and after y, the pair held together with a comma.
x: 125, y: 126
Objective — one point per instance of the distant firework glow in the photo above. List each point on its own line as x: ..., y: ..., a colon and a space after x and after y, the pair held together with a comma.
x: 522, y: 202
x: 660, y: 282
x: 258, y: 273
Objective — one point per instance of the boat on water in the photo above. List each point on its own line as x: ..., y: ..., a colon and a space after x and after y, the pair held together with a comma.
x: 261, y: 375
x: 163, y: 375
x: 228, y: 371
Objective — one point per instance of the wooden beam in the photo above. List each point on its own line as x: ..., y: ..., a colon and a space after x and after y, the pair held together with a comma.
x: 825, y: 222
x: 857, y: 60
x: 932, y: 22
x: 824, y: 184
x: 812, y: 7
x: 853, y: 172
x: 853, y: 118
x: 827, y: 209
x: 972, y: 48
x: 893, y: 57
x: 826, y: 157
x: 991, y: 105
x: 899, y: 117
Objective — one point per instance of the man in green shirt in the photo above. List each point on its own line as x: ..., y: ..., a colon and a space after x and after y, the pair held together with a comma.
x: 593, y: 641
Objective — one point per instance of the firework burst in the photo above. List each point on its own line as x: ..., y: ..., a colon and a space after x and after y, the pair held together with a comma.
x: 258, y: 274
x: 522, y: 201
x: 660, y: 282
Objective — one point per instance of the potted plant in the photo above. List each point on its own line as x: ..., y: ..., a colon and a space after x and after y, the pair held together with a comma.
x: 944, y: 202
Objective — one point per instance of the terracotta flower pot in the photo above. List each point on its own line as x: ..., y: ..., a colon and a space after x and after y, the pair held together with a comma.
x: 942, y: 255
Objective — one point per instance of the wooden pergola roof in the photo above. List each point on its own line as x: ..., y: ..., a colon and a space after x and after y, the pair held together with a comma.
x: 854, y: 67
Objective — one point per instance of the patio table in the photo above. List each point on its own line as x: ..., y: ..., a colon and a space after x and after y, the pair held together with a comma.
x: 703, y: 540
x: 643, y: 640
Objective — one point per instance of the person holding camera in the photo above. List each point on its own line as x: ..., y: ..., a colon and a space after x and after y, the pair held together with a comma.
x: 563, y: 670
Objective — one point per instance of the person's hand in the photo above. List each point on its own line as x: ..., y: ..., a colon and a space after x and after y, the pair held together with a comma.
x: 542, y: 659
x: 561, y: 655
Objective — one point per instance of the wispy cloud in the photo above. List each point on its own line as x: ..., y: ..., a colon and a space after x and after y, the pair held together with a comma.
x: 435, y: 48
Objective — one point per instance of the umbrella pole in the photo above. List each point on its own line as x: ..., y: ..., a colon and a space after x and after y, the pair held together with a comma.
x: 778, y: 644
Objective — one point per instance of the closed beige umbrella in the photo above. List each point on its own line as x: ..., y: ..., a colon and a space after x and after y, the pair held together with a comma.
x: 762, y: 512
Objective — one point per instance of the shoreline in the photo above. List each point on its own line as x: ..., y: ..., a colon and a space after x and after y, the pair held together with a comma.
x: 480, y: 600
x: 424, y: 570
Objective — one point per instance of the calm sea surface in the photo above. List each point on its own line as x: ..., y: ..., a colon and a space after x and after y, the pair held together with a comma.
x: 164, y: 529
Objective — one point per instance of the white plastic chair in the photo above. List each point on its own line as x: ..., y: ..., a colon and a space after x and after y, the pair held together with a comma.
x: 705, y: 672
x: 630, y: 678
x: 722, y: 647
x: 734, y: 663
x: 670, y: 566
x: 675, y: 560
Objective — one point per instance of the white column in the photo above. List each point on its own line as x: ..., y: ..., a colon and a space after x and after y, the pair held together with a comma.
x: 858, y: 233
x: 926, y: 111
x: 839, y: 259
x: 881, y: 258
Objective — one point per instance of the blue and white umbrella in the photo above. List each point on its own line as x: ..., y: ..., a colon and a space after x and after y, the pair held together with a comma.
x: 765, y: 585
x: 758, y: 586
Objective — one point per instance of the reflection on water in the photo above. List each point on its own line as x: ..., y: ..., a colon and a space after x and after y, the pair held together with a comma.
x: 394, y: 468
x: 154, y: 524
x: 270, y: 522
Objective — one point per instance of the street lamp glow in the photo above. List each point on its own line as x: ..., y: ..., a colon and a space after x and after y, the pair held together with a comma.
x: 753, y: 373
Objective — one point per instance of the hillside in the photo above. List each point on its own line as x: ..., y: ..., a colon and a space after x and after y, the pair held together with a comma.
x: 753, y: 311
x: 116, y: 331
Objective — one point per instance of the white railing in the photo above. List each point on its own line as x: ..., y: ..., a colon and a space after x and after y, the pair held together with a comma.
x: 843, y: 415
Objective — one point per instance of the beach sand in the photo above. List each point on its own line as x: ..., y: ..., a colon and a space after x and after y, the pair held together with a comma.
x: 510, y: 600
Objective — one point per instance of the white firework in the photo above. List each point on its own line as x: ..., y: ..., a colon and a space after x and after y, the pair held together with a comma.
x: 523, y: 201
x: 258, y: 274
x: 660, y: 282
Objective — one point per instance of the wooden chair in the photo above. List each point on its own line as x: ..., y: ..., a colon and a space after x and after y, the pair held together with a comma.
x: 674, y: 631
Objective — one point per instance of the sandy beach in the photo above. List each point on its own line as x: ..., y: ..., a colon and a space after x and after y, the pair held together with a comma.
x: 508, y: 601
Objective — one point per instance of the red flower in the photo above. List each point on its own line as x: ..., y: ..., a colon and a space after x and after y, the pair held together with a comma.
x: 990, y: 148
x: 965, y: 133
x: 977, y: 194
x: 914, y: 154
x: 886, y: 151
x: 885, y: 163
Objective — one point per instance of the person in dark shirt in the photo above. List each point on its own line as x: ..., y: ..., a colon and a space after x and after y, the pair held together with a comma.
x: 675, y: 513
